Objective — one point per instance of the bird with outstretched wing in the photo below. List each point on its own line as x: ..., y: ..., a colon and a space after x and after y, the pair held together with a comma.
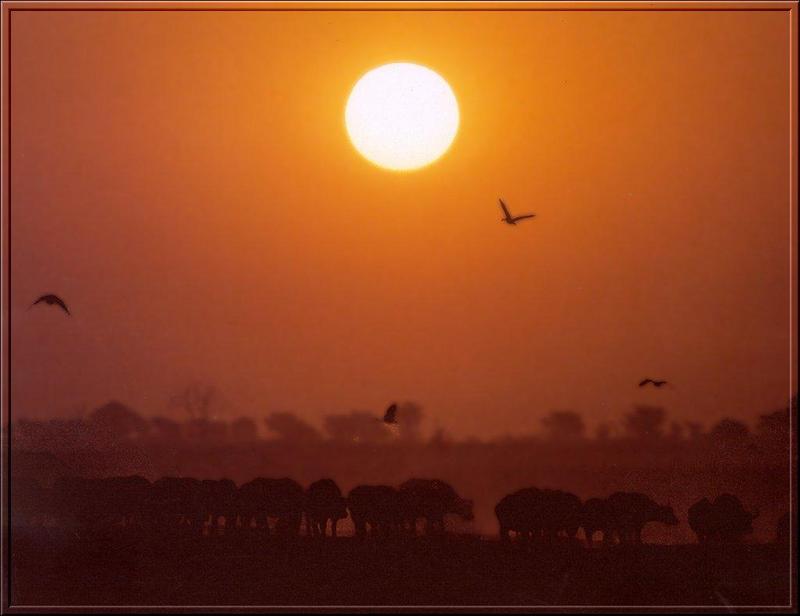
x: 653, y: 382
x: 508, y: 218
x: 506, y: 213
x: 52, y: 300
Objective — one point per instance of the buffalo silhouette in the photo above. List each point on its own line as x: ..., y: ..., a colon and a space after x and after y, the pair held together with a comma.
x: 559, y: 514
x: 219, y: 499
x: 324, y: 502
x: 518, y: 512
x: 281, y: 499
x: 375, y: 508
x: 724, y: 520
x: 541, y: 514
x: 126, y: 498
x: 629, y: 512
x: 596, y: 517
x: 431, y: 500
x: 85, y: 504
x: 175, y: 502
x: 75, y: 504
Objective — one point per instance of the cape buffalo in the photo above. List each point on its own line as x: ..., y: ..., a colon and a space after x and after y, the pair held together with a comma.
x: 630, y: 511
x: 175, y: 502
x: 376, y: 507
x: 596, y: 516
x: 324, y: 501
x: 519, y: 512
x: 218, y: 499
x: 431, y: 500
x: 539, y: 514
x: 280, y: 499
x: 724, y: 520
x: 95, y: 503
x: 559, y: 514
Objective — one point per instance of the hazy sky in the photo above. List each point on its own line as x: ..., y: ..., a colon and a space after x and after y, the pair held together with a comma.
x: 186, y: 183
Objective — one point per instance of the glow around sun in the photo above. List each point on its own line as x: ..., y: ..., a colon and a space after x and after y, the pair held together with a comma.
x: 402, y: 116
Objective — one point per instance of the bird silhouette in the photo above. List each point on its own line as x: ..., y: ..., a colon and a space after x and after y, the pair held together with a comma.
x: 652, y: 382
x: 508, y: 218
x: 390, y: 417
x: 51, y: 300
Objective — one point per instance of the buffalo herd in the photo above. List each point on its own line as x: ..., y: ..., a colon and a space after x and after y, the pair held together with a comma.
x: 547, y: 514
x: 277, y: 507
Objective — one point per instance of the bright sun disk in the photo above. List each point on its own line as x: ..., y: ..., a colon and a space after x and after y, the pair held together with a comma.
x: 402, y: 116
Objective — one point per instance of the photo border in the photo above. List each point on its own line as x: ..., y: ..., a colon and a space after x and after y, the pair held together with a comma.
x: 8, y: 8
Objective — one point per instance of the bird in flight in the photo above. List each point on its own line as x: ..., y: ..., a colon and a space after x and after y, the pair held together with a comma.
x: 508, y: 218
x: 652, y: 382
x: 51, y: 300
x: 390, y: 417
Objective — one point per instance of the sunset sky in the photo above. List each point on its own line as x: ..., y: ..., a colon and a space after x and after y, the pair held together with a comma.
x: 185, y: 181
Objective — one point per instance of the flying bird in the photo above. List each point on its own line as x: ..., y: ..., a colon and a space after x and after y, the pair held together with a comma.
x: 390, y: 417
x: 51, y: 300
x: 508, y: 218
x: 652, y: 382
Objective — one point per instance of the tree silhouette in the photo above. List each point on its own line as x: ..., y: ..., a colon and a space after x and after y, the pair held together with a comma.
x: 440, y: 439
x: 30, y: 434
x: 603, y: 431
x: 165, y: 428
x: 116, y: 421
x: 205, y: 431
x: 356, y: 427
x: 289, y: 427
x: 773, y: 428
x: 563, y: 425
x: 243, y: 429
x: 695, y: 429
x: 730, y: 432
x: 676, y: 430
x: 195, y: 400
x: 645, y: 422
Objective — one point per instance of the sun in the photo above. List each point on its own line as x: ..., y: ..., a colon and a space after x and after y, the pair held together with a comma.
x: 402, y: 116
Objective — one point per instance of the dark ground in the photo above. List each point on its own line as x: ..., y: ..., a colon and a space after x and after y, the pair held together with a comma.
x: 51, y: 568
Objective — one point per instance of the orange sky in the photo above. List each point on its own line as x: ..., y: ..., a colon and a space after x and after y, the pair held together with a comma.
x: 186, y: 183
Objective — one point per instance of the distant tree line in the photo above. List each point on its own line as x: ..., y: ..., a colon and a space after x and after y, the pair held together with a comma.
x: 115, y: 423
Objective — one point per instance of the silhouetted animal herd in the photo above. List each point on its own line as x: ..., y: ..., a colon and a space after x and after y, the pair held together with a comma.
x: 274, y: 506
x: 277, y: 507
